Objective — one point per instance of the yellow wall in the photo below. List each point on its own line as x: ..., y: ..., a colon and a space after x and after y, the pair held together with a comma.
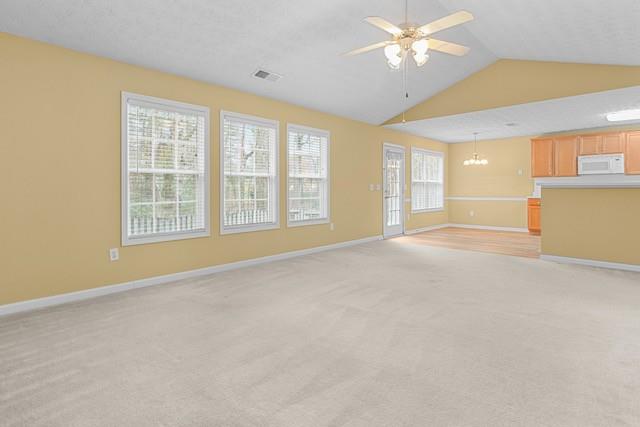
x: 512, y: 214
x: 510, y: 82
x: 499, y: 178
x: 60, y: 181
x: 595, y: 224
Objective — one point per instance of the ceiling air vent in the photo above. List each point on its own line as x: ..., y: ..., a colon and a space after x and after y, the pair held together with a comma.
x: 266, y: 75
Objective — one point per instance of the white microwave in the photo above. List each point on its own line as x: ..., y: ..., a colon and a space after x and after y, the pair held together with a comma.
x: 601, y: 164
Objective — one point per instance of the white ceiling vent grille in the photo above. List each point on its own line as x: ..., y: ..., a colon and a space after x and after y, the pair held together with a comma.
x: 263, y: 74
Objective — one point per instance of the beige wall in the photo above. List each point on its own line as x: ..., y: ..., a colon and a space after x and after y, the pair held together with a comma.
x: 60, y: 181
x: 511, y: 82
x: 500, y: 178
x: 595, y: 224
x: 512, y: 214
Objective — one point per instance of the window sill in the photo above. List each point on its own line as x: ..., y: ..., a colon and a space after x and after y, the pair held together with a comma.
x: 168, y: 237
x: 309, y: 222
x: 248, y: 228
x: 427, y: 210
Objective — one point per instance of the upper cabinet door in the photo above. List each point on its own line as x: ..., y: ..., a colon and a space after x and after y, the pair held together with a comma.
x: 541, y: 157
x: 632, y: 153
x: 590, y: 144
x: 566, y: 156
x: 613, y: 143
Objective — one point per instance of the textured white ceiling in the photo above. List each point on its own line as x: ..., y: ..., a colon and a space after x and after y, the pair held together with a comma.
x: 536, y: 118
x: 224, y: 41
x: 589, y: 31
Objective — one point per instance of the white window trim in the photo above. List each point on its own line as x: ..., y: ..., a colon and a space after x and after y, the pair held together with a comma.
x: 431, y: 153
x: 124, y: 178
x: 251, y: 227
x: 321, y: 133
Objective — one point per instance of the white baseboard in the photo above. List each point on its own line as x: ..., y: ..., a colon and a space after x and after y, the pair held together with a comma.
x: 423, y: 229
x: 473, y: 226
x: 157, y: 280
x: 591, y: 262
x: 491, y: 227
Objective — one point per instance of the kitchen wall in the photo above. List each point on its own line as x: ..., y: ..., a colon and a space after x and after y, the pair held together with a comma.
x: 593, y: 224
x: 60, y: 181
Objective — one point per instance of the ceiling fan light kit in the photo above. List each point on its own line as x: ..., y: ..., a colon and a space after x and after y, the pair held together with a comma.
x: 408, y: 38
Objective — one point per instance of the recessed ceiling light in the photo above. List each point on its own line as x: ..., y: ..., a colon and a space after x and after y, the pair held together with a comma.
x: 621, y: 116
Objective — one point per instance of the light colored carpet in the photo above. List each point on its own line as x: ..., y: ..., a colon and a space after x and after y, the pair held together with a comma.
x: 383, y: 334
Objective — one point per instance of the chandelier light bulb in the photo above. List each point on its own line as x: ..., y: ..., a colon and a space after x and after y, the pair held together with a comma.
x: 393, y: 52
x: 420, y: 58
x: 420, y: 47
x: 394, y: 63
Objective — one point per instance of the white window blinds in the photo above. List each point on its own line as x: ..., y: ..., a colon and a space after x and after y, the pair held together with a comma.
x: 308, y: 172
x: 250, y: 173
x: 165, y: 185
x: 427, y: 180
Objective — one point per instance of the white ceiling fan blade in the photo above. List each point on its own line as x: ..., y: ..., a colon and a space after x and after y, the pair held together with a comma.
x: 367, y: 48
x: 384, y: 25
x: 448, y: 47
x: 446, y: 22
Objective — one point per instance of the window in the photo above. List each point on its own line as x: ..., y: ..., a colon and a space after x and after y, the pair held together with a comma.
x: 308, y: 172
x: 249, y: 165
x: 165, y: 170
x: 427, y: 180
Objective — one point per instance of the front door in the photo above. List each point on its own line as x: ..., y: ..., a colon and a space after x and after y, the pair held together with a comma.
x: 393, y: 176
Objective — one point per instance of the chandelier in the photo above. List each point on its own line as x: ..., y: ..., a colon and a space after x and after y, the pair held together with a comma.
x: 475, y: 158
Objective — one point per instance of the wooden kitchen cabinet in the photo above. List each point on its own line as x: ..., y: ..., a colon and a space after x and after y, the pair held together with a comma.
x: 607, y: 143
x: 632, y: 153
x: 613, y: 143
x: 559, y: 156
x: 533, y: 215
x: 565, y: 156
x: 541, y: 157
x: 590, y: 145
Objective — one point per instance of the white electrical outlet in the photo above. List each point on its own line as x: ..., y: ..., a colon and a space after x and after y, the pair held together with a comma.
x: 372, y: 187
x: 332, y: 227
x: 519, y: 172
x: 114, y: 254
x: 378, y: 187
x: 472, y: 213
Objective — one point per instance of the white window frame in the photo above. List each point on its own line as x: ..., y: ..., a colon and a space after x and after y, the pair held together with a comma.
x: 250, y: 227
x: 435, y: 154
x: 321, y: 133
x: 124, y: 169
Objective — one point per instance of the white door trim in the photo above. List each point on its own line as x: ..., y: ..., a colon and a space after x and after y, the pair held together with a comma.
x: 399, y: 149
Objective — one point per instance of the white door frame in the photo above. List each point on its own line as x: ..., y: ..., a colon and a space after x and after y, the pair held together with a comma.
x: 396, y: 230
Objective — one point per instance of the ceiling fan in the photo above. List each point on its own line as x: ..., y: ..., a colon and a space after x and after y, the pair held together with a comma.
x: 409, y: 37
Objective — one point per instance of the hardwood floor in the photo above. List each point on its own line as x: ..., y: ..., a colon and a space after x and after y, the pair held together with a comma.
x: 498, y: 242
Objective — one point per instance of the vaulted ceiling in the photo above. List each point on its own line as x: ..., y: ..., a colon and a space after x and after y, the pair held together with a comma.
x: 224, y: 42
